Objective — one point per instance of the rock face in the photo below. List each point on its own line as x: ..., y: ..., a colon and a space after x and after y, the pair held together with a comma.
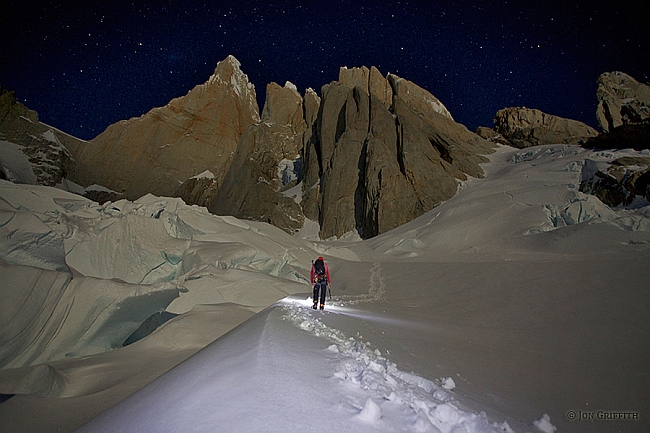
x: 372, y: 154
x: 42, y: 145
x: 370, y: 80
x: 267, y: 164
x: 491, y: 135
x: 621, y: 101
x: 525, y: 127
x: 631, y: 136
x: 419, y: 101
x: 199, y: 189
x: 621, y: 183
x: 623, y: 113
x: 160, y: 150
x: 311, y: 167
x: 380, y: 165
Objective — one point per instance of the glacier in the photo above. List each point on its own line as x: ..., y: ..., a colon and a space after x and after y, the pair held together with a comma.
x: 504, y: 309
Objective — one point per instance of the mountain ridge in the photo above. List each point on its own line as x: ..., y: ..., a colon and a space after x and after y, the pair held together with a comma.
x: 301, y: 149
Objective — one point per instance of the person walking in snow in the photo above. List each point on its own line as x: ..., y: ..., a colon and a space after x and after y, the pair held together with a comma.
x: 320, y: 278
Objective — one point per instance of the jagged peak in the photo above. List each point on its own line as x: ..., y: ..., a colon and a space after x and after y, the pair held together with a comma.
x: 229, y: 71
x: 354, y: 76
x: 233, y: 60
x: 354, y: 68
x: 227, y: 66
x: 311, y: 94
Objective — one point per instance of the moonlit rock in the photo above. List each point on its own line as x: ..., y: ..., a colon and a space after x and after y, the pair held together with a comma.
x: 621, y: 100
x: 30, y: 151
x: 266, y: 163
x: 418, y: 99
x: 379, y: 167
x: 525, y: 127
x: 158, y: 151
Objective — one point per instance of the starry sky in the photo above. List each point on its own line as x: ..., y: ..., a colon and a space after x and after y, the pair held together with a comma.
x: 83, y: 65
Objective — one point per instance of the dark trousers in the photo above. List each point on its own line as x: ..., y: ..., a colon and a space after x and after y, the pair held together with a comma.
x: 322, y: 287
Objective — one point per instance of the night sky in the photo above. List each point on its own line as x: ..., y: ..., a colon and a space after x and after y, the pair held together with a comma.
x: 85, y: 65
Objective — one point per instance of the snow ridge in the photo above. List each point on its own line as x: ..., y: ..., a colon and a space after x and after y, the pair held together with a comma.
x: 394, y: 395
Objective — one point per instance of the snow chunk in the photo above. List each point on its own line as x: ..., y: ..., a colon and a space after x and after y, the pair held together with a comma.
x: 447, y: 414
x: 295, y: 193
x: 371, y: 412
x: 95, y: 187
x: 289, y: 170
x: 503, y: 427
x: 544, y: 424
x: 448, y: 383
x: 50, y: 136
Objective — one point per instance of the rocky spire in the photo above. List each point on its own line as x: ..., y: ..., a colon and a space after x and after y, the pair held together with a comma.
x: 228, y: 72
x: 370, y: 80
x: 157, y: 152
x: 266, y: 164
x: 386, y: 150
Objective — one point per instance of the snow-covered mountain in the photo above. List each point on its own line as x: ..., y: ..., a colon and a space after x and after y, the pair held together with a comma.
x: 514, y: 306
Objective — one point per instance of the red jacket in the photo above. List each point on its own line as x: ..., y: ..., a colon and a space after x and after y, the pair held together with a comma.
x: 312, y: 274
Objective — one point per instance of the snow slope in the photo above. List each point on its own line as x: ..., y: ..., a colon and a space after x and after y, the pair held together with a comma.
x: 505, y: 308
x: 285, y: 370
x: 15, y: 164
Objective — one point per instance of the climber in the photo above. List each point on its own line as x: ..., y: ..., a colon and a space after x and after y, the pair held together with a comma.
x: 320, y: 278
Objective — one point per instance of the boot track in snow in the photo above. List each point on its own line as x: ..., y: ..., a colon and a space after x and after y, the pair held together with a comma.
x: 392, y: 394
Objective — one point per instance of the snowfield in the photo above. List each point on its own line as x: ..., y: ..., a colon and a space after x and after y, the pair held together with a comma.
x: 510, y: 307
x: 287, y: 379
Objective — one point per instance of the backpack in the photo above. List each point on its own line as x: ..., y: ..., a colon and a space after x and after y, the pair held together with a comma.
x: 319, y: 268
